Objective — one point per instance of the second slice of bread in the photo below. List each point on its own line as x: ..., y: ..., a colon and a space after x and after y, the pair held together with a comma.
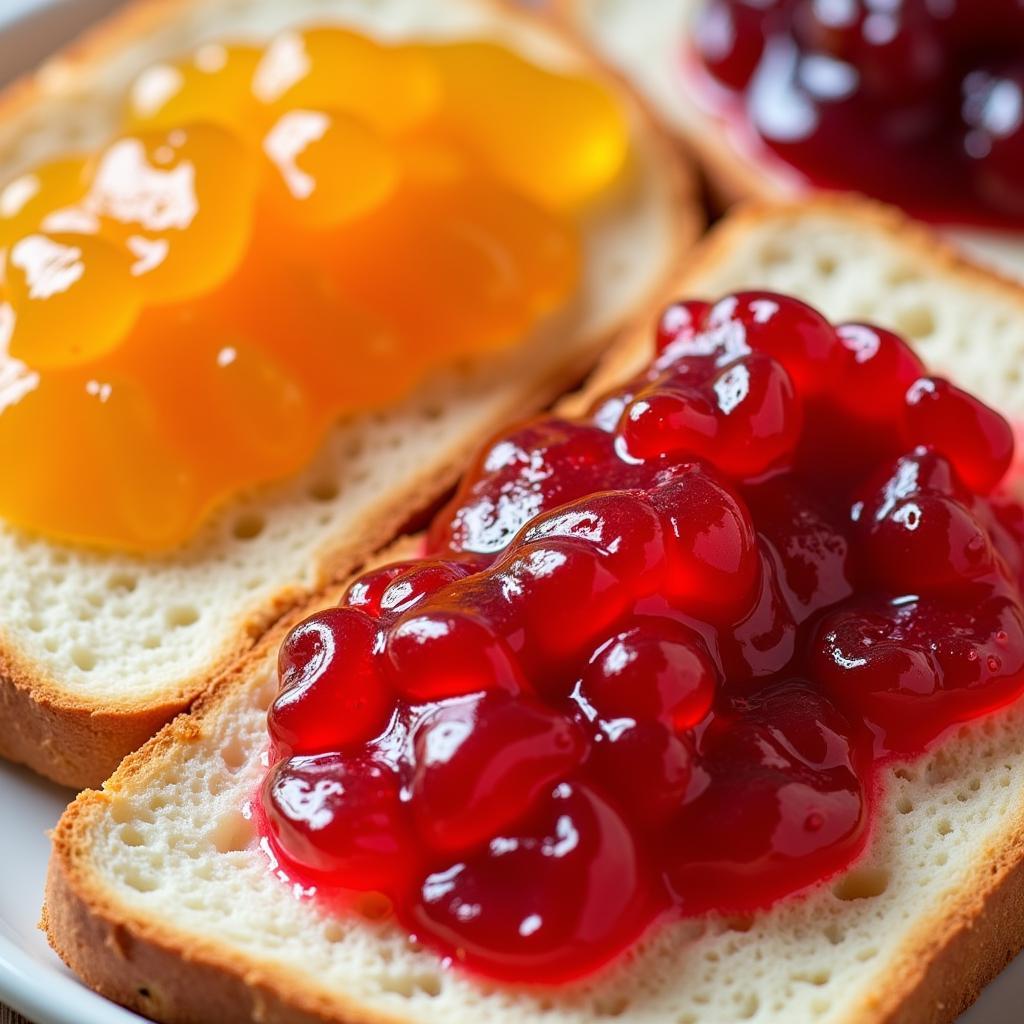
x: 97, y: 650
x: 648, y: 40
x: 158, y: 898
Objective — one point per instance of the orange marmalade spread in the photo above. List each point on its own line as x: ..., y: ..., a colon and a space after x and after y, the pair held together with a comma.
x: 280, y: 235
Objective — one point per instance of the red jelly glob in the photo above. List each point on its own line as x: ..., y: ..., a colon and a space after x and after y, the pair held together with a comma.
x: 910, y: 101
x: 652, y: 657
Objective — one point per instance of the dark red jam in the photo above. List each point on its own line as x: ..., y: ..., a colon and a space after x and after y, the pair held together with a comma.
x: 652, y: 657
x: 916, y: 102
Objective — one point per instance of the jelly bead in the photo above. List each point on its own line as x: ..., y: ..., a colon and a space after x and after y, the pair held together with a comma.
x: 548, y: 899
x: 319, y: 657
x: 213, y: 84
x: 104, y: 438
x: 393, y: 89
x: 307, y: 147
x: 180, y: 202
x: 481, y: 765
x: 342, y: 817
x: 27, y: 201
x: 74, y: 297
x: 558, y: 139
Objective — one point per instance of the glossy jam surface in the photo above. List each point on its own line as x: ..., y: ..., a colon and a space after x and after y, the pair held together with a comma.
x: 651, y: 657
x: 279, y: 235
x: 916, y: 102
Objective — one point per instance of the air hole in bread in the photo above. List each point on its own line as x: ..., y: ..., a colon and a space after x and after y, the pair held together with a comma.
x: 324, y: 489
x: 131, y: 836
x: 835, y: 934
x: 904, y: 805
x: 611, y: 1006
x: 233, y: 754
x: 232, y: 833
x: 944, y: 827
x: 152, y: 642
x: 916, y: 321
x: 749, y: 1004
x: 868, y: 953
x: 902, y: 275
x: 826, y: 265
x: 84, y: 659
x: 862, y: 884
x: 36, y: 624
x: 773, y: 254
x: 182, y: 615
x: 819, y: 977
x: 248, y: 526
x: 140, y: 881
x: 124, y: 582
x: 51, y: 644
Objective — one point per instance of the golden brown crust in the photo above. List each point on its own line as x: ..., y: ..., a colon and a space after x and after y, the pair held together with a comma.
x: 949, y: 959
x: 78, y: 741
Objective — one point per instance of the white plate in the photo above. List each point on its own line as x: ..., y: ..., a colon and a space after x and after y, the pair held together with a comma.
x: 32, y: 979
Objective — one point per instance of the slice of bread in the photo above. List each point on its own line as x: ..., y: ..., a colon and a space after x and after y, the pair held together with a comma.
x: 97, y: 650
x: 646, y: 40
x: 157, y: 898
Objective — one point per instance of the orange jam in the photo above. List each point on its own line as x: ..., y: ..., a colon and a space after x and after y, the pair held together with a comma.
x: 280, y: 235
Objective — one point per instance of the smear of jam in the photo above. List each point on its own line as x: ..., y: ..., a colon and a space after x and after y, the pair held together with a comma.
x: 915, y: 102
x: 652, y: 657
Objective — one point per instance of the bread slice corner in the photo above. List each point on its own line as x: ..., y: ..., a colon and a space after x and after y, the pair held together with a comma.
x: 97, y: 650
x: 158, y: 897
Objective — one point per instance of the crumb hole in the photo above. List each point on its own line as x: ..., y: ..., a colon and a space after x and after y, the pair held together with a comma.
x: 749, y: 1005
x: 904, y: 805
x: 248, y: 527
x: 233, y: 754
x: 83, y: 658
x: 232, y: 833
x: 944, y: 827
x: 917, y: 321
x: 611, y: 1006
x: 140, y: 882
x: 182, y: 615
x: 152, y: 642
x: 131, y: 836
x: 124, y: 582
x: 826, y: 265
x: 862, y: 884
x: 324, y: 490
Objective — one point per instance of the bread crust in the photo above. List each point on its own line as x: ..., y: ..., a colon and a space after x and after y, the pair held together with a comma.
x: 950, y: 957
x: 78, y: 741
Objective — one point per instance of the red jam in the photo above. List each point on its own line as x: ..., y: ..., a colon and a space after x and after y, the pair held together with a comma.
x: 916, y: 102
x: 652, y: 657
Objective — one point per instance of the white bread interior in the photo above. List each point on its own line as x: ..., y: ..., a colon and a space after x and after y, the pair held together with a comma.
x: 646, y: 40
x: 97, y: 650
x: 157, y: 898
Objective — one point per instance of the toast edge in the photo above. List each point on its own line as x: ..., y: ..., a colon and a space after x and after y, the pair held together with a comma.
x: 77, y: 741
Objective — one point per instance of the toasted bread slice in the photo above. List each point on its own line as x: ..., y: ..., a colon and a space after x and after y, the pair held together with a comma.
x: 646, y: 39
x: 97, y: 650
x: 158, y: 899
